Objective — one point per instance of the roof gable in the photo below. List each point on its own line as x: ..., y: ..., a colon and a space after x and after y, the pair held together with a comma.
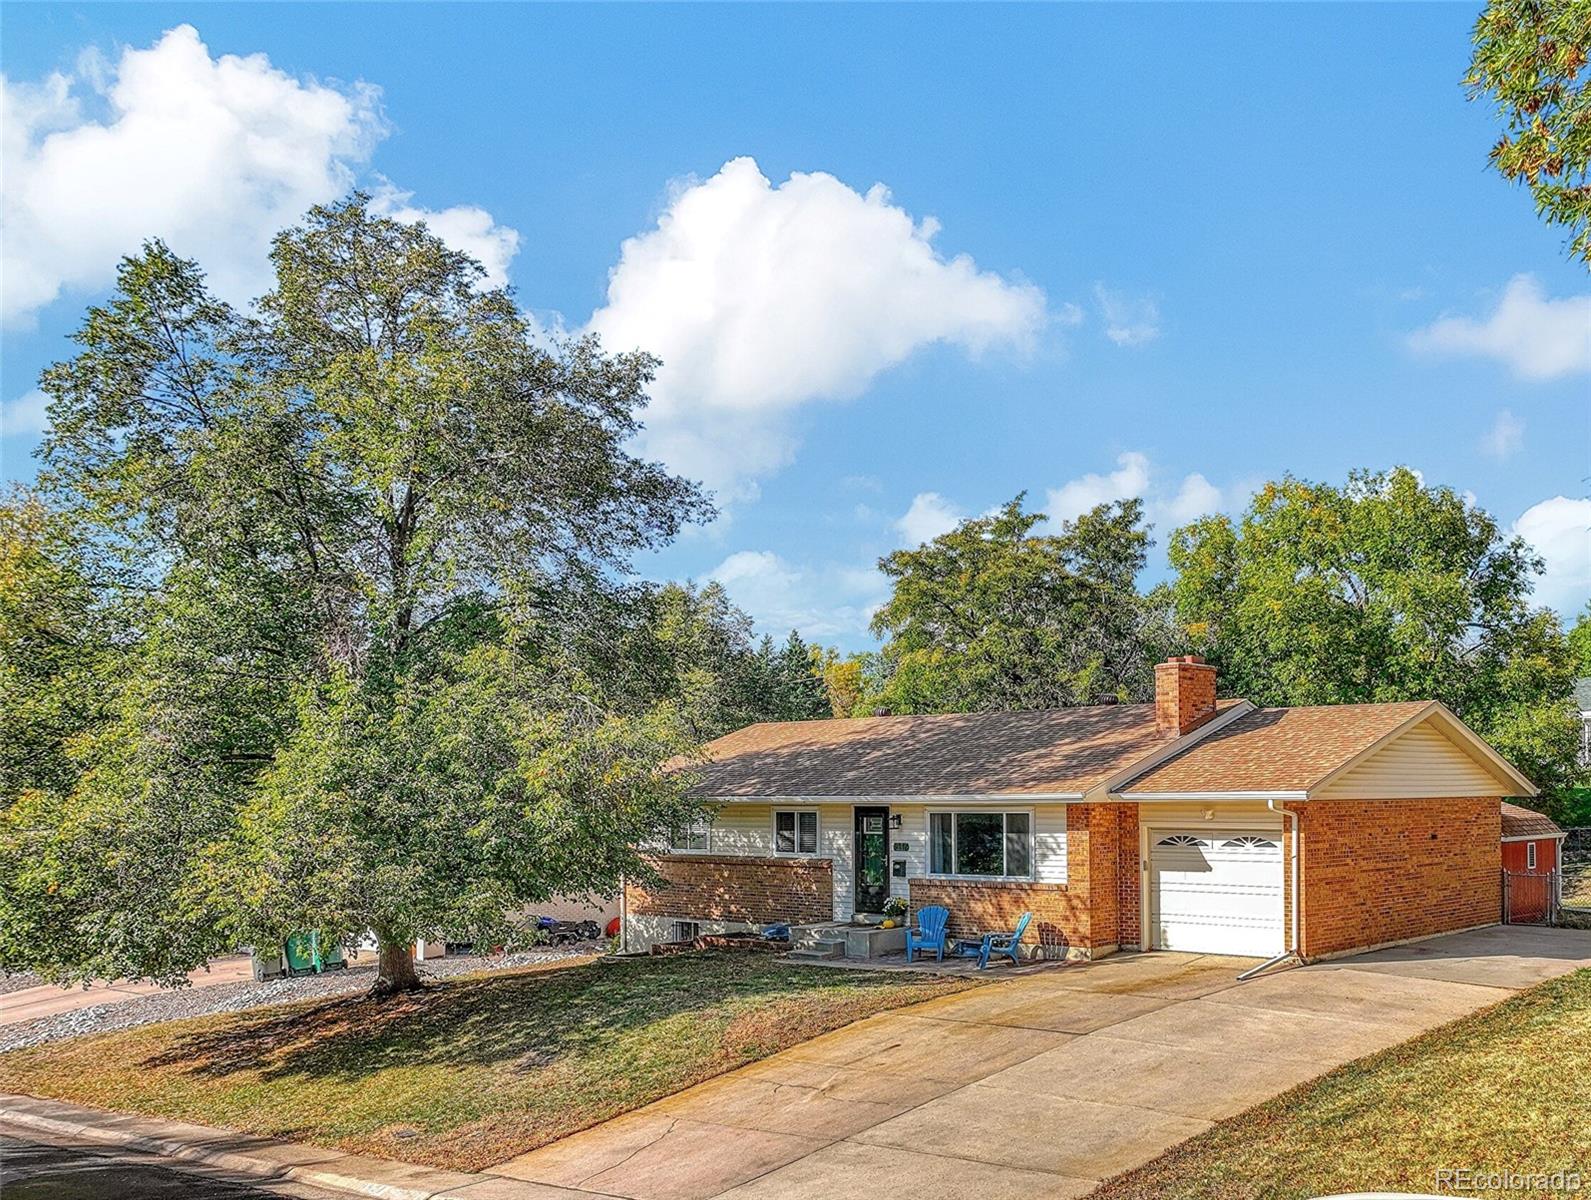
x: 1344, y: 751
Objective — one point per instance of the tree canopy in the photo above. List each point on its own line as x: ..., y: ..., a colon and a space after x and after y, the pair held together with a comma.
x: 1380, y: 590
x: 1531, y: 60
x: 998, y: 615
x: 365, y: 520
x: 1580, y: 642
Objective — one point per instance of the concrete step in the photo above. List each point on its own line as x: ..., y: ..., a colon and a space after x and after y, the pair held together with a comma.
x: 824, y: 949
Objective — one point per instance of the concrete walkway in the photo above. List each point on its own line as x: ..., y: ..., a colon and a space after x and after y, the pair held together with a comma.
x: 1040, y: 1086
x: 27, y: 1004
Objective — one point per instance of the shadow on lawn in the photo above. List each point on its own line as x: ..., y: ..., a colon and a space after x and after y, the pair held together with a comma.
x: 538, y: 1016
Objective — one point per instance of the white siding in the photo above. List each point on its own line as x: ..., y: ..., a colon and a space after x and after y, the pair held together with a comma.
x: 748, y: 829
x: 1049, y: 843
x: 1421, y: 762
x: 745, y: 829
x: 835, y: 843
x: 1049, y: 837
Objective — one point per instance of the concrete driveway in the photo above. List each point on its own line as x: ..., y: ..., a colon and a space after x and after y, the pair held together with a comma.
x: 1039, y: 1086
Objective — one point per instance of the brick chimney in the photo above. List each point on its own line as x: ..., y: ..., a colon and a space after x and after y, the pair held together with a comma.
x: 1184, y: 695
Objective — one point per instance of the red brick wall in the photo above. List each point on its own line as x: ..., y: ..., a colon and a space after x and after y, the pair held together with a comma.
x: 1060, y: 914
x: 1184, y: 694
x: 737, y: 888
x: 1379, y: 871
x: 1129, y: 877
x: 1094, y: 911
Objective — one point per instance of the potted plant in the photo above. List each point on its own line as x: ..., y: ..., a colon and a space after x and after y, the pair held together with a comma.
x: 894, y: 911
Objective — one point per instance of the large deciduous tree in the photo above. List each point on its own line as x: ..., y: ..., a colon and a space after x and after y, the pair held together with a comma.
x: 368, y: 516
x: 1531, y: 59
x: 1381, y: 590
x: 690, y: 644
x: 997, y: 615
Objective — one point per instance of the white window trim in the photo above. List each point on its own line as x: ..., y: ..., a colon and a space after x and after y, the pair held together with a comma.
x: 1530, y: 856
x: 817, y: 843
x: 706, y: 826
x: 928, y: 845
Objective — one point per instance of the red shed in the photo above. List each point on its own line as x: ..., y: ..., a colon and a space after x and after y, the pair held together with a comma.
x: 1530, y: 841
x: 1531, y: 845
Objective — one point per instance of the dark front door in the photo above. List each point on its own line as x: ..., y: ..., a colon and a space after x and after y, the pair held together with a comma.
x: 872, y: 859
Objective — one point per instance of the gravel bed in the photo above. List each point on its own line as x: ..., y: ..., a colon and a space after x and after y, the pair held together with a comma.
x: 178, y: 1003
x: 18, y: 981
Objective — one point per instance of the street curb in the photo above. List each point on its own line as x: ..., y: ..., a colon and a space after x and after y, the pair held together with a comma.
x: 266, y: 1158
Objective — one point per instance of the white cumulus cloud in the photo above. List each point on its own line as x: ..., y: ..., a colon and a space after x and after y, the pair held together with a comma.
x: 761, y: 298
x: 1560, y: 531
x: 465, y: 227
x: 1536, y: 337
x: 820, y: 603
x: 1506, y: 437
x: 1073, y: 499
x: 1129, y: 320
x: 1167, y: 503
x: 24, y: 415
x: 212, y: 154
x: 929, y: 516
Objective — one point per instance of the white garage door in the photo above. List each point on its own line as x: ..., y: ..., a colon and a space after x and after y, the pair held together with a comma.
x: 1216, y: 892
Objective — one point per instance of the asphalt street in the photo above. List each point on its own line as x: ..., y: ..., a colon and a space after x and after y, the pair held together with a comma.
x: 40, y: 1166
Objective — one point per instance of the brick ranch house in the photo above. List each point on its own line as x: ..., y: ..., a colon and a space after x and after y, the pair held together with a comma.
x: 1189, y: 824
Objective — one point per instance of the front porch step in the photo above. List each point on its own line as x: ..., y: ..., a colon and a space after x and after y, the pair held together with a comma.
x: 824, y: 949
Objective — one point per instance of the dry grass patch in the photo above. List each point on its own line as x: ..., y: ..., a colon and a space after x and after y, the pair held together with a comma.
x: 1500, y: 1090
x: 473, y: 1070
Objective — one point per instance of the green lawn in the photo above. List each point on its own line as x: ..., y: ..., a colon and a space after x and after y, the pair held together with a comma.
x: 473, y: 1070
x: 1502, y: 1090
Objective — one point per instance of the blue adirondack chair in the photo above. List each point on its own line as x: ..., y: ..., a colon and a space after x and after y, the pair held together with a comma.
x: 992, y: 944
x: 929, y: 932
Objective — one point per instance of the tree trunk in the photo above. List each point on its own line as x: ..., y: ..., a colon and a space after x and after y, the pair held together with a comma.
x: 395, y: 971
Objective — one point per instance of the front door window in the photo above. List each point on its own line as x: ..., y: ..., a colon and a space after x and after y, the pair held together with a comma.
x: 872, y: 859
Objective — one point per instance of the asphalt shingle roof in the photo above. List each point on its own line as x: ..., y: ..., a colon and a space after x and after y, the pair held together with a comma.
x: 1276, y: 749
x: 1052, y: 751
x: 1526, y: 822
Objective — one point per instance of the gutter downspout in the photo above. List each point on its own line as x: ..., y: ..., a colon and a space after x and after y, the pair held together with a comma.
x: 1293, y: 951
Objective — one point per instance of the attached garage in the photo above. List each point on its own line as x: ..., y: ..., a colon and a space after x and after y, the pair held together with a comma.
x: 1216, y: 891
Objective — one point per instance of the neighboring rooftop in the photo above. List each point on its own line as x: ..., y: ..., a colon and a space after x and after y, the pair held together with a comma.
x: 1582, y: 695
x: 1048, y: 752
x: 1524, y: 822
x: 1276, y: 749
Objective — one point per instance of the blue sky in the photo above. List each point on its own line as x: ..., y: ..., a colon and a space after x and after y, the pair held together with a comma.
x: 1164, y: 251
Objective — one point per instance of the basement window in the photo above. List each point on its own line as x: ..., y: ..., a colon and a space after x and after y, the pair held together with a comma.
x: 795, y: 831
x: 980, y: 844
